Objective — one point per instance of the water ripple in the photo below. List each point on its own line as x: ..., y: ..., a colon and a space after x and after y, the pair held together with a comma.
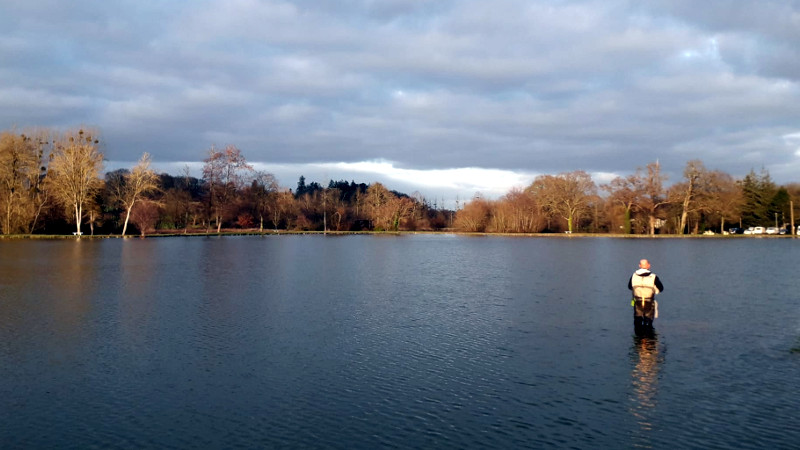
x: 390, y: 343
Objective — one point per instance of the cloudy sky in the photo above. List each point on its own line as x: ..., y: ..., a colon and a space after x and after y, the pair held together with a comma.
x: 447, y: 98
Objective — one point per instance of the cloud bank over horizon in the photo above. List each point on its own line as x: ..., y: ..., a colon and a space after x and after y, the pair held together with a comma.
x: 437, y: 96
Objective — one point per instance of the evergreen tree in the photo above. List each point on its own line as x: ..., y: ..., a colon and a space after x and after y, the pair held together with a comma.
x: 758, y: 191
x: 779, y: 207
x: 301, y: 187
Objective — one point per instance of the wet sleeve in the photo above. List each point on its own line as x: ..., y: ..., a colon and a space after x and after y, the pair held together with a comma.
x: 659, y: 285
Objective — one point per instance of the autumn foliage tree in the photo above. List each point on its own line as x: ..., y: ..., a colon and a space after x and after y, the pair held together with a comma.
x: 73, y: 176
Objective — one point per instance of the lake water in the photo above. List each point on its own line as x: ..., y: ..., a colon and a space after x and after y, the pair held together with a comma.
x: 414, y: 341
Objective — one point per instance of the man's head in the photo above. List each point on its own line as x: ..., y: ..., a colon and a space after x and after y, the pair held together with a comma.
x: 644, y: 264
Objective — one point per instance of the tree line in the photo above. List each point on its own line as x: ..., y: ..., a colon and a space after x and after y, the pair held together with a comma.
x: 53, y: 183
x: 640, y: 203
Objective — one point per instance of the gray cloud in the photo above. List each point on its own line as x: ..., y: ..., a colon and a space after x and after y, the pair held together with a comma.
x: 529, y: 87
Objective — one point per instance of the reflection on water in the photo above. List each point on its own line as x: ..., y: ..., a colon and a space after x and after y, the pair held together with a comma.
x: 71, y: 274
x: 135, y: 299
x: 644, y: 378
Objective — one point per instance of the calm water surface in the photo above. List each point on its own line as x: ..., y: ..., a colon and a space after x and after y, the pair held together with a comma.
x: 419, y: 341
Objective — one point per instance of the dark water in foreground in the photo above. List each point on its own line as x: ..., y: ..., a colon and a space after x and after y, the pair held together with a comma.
x: 409, y: 342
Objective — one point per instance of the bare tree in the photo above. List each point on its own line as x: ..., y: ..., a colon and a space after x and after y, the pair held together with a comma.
x: 694, y: 176
x: 144, y: 214
x: 474, y: 216
x: 515, y: 212
x: 385, y: 209
x: 40, y: 197
x: 263, y: 188
x: 74, y: 173
x: 140, y: 181
x: 624, y: 191
x: 224, y: 172
x: 376, y: 201
x: 722, y: 198
x: 93, y: 215
x: 528, y: 213
x: 282, y: 207
x: 19, y: 173
x: 653, y: 197
x: 176, y: 207
x: 376, y: 197
x: 566, y: 195
x: 22, y: 169
x: 331, y: 207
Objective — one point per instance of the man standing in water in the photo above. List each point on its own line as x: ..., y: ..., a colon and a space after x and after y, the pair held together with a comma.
x: 645, y: 285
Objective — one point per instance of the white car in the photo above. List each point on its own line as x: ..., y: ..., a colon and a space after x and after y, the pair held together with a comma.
x: 758, y: 230
x: 749, y: 230
x: 772, y: 230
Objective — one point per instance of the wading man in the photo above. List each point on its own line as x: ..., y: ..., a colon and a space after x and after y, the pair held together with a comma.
x: 645, y: 285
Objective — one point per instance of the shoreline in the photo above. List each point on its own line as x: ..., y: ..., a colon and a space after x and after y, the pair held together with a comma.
x: 386, y: 233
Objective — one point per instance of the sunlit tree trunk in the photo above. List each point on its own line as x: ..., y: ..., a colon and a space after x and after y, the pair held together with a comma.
x: 627, y: 224
x: 140, y: 181
x: 91, y: 222
x: 78, y: 216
